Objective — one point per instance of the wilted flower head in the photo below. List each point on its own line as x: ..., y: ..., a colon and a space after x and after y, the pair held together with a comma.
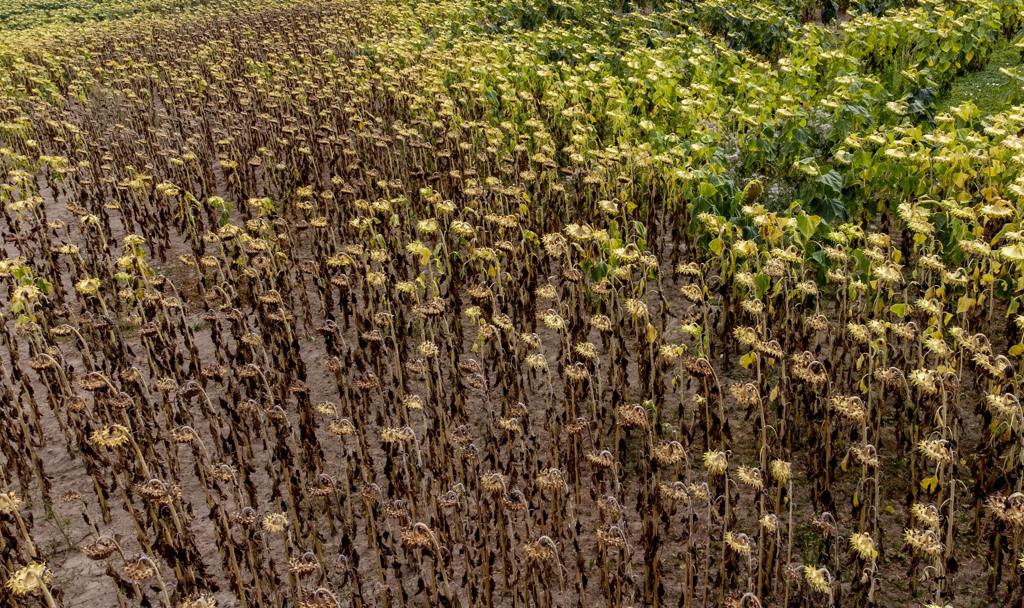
x: 692, y: 292
x: 632, y: 416
x: 601, y: 323
x: 552, y: 320
x: 1006, y: 405
x: 637, y: 309
x: 139, y: 569
x: 750, y: 477
x: 925, y: 542
x: 9, y: 503
x: 716, y: 463
x: 111, y: 436
x: 858, y: 332
x: 275, y: 523
x: 29, y: 579
x: 780, y: 471
x: 928, y: 515
x: 100, y: 548
x: 493, y: 482
x: 863, y: 546
x: 88, y: 286
x: 924, y: 380
x: 739, y: 543
x: 612, y: 536
x: 819, y: 579
x: 935, y: 450
x: 200, y: 601
x: 850, y: 407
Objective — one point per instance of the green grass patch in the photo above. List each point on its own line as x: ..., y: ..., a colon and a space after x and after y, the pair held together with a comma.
x: 989, y: 88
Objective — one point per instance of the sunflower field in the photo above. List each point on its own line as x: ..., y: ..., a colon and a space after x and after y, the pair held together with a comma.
x: 511, y: 303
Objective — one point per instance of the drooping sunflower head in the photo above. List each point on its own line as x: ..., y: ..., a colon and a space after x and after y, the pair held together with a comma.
x: 9, y: 503
x: 29, y: 579
x: 111, y: 436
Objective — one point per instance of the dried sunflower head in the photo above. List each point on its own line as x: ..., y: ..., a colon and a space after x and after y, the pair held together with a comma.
x: 675, y: 492
x: 275, y: 523
x: 586, y: 350
x: 341, y: 427
x: 750, y: 477
x: 780, y: 471
x: 924, y: 542
x: 100, y: 548
x: 612, y: 536
x: 928, y: 515
x: 715, y: 462
x: 304, y: 565
x: 541, y: 550
x: 111, y: 436
x: 29, y: 579
x: 397, y: 435
x: 631, y: 416
x: 866, y: 455
x: 492, y: 483
x: 849, y: 407
x: 551, y: 479
x: 738, y: 542
x: 864, y: 546
x: 668, y: 453
x: 139, y: 569
x: 601, y: 459
x: 1009, y: 510
x: 745, y: 394
x: 819, y: 579
x: 9, y: 503
x: 935, y: 450
x: 637, y: 309
x: 817, y: 322
x: 200, y: 601
x: 552, y: 320
x: 924, y: 380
